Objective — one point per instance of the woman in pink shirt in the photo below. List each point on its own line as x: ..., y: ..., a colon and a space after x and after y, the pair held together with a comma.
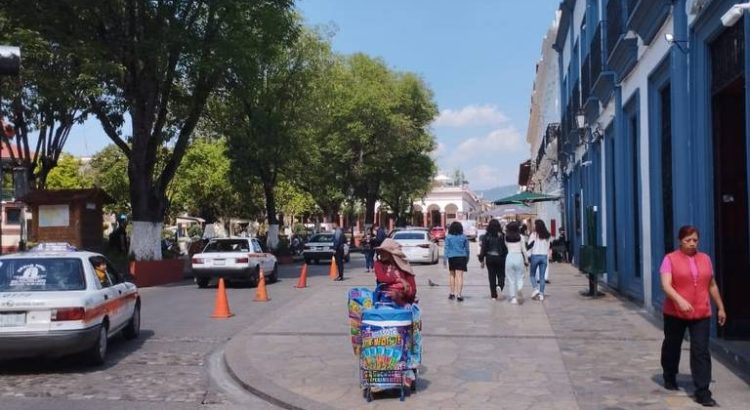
x: 687, y: 280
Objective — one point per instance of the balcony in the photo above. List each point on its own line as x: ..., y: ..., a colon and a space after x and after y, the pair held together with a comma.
x: 647, y: 17
x: 624, y: 56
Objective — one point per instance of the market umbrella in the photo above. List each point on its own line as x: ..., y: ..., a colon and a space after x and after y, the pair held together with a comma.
x: 525, y: 198
x: 510, y: 209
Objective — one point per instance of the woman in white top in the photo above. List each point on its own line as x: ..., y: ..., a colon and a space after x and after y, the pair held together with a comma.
x: 515, y: 261
x: 539, y: 246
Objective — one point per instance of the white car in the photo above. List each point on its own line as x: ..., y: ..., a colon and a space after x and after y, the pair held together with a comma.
x: 320, y: 247
x: 234, y: 259
x: 52, y: 303
x: 418, y: 245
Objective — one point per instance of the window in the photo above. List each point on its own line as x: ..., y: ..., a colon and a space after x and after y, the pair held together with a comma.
x: 227, y: 245
x: 666, y: 167
x: 41, y: 274
x: 257, y: 248
x: 13, y: 216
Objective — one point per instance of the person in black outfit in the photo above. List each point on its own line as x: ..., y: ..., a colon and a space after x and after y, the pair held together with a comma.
x: 339, y: 239
x: 493, y: 254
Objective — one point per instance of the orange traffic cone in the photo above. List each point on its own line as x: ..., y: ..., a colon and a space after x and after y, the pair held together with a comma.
x: 334, y: 272
x: 260, y: 294
x: 302, y: 282
x: 221, y: 310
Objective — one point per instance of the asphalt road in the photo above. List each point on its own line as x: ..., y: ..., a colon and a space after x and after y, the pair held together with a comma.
x: 174, y: 364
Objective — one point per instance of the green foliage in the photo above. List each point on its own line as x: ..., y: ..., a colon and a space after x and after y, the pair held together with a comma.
x: 69, y: 174
x: 201, y: 186
x: 109, y: 171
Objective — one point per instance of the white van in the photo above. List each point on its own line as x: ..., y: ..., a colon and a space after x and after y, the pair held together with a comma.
x: 470, y: 229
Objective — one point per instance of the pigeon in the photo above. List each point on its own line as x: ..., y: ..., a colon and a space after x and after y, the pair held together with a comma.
x: 431, y: 283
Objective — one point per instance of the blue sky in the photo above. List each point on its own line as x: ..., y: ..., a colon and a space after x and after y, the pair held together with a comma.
x: 478, y: 57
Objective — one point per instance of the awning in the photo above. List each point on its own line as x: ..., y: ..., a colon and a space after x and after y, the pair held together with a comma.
x: 525, y: 198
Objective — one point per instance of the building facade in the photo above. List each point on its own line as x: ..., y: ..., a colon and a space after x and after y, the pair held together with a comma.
x: 544, y: 131
x: 654, y: 136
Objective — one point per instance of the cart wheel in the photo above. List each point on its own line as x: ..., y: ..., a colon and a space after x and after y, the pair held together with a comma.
x: 364, y: 393
x: 369, y: 395
x: 402, y: 393
x: 414, y: 386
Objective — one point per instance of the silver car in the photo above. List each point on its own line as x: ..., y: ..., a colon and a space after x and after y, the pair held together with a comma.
x: 418, y: 245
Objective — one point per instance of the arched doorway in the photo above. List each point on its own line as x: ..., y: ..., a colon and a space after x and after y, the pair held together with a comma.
x: 451, y: 213
x: 433, y: 216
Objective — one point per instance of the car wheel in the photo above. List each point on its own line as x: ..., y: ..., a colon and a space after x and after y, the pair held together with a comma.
x: 274, y: 274
x: 308, y: 261
x: 98, y: 351
x: 202, y: 282
x: 133, y: 329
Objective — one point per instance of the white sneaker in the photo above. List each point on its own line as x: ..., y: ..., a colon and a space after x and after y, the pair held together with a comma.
x: 534, y: 293
x: 541, y: 297
x: 513, y: 301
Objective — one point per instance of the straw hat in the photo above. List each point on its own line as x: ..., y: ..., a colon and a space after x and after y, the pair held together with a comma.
x: 394, y: 249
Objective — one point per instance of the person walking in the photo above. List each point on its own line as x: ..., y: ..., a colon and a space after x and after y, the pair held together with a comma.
x: 368, y: 248
x: 539, y: 247
x: 339, y: 239
x: 494, y: 252
x: 687, y: 279
x: 515, y: 261
x: 456, y: 250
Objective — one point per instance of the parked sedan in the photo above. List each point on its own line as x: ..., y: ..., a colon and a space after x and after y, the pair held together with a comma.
x: 53, y: 303
x: 418, y: 246
x: 320, y: 247
x: 234, y: 259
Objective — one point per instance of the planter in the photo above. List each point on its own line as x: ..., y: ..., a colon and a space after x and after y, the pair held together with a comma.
x: 155, y: 273
x: 285, y: 259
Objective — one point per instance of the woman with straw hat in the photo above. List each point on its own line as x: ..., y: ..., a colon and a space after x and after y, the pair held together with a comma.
x: 394, y: 274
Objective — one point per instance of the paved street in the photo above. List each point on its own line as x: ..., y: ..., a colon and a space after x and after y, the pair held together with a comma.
x: 567, y: 353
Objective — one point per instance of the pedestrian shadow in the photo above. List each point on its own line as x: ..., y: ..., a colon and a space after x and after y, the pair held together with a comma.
x: 118, y: 349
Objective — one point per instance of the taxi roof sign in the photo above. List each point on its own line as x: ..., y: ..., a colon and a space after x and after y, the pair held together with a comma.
x: 54, y: 247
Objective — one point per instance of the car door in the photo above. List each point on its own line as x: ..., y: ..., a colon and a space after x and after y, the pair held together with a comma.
x: 262, y: 257
x: 123, y: 291
x: 106, y: 299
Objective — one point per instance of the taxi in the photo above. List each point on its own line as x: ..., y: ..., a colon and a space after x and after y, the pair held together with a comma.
x: 53, y: 302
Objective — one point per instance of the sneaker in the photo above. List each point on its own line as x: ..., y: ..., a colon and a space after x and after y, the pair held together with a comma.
x: 460, y: 298
x: 493, y: 297
x: 451, y: 296
x: 540, y: 297
x: 513, y: 301
x: 534, y: 293
x: 705, y: 401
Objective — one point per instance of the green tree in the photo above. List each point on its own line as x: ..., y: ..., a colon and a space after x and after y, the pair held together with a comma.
x: 69, y: 174
x: 47, y: 99
x: 201, y: 186
x: 158, y: 61
x: 109, y: 171
x: 265, y: 113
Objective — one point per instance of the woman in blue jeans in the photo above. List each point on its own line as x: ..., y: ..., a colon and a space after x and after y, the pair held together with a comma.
x: 539, y: 247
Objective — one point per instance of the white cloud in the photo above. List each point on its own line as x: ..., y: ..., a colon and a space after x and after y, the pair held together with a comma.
x: 504, y: 140
x: 471, y: 115
x: 485, y: 176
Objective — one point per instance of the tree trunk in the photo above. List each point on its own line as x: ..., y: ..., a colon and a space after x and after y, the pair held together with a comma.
x: 370, y: 209
x: 148, y: 206
x: 273, y: 223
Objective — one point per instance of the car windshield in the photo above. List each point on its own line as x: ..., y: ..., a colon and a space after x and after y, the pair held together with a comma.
x: 408, y: 235
x: 322, y: 238
x: 228, y: 245
x: 41, y: 274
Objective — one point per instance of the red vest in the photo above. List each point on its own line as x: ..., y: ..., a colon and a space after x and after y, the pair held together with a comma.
x: 694, y: 291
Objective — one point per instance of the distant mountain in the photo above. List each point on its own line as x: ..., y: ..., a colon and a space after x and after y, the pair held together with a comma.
x: 497, y: 192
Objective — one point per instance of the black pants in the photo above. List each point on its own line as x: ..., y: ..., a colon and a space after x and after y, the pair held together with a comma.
x: 495, y: 273
x: 340, y: 263
x: 700, y: 358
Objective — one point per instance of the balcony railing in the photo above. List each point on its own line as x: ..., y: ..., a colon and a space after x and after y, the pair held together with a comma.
x: 596, y: 54
x: 550, y: 134
x: 615, y: 23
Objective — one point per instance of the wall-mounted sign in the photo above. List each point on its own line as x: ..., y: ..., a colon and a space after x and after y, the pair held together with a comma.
x: 54, y: 215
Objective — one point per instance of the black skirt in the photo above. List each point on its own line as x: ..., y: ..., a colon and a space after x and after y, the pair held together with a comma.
x: 457, y: 263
